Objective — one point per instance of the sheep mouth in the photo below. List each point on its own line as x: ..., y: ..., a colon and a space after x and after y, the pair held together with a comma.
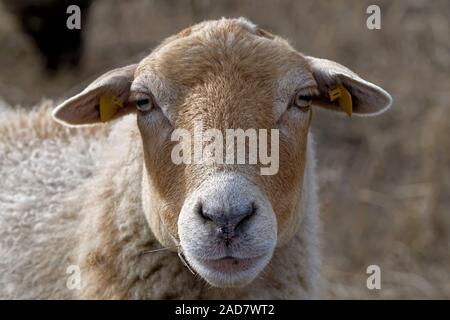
x: 229, y: 271
x: 231, y: 264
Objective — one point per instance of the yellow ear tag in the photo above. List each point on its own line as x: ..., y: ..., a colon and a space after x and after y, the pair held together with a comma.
x: 109, y: 105
x: 344, y: 98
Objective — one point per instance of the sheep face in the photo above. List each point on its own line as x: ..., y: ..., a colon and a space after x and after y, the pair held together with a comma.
x: 226, y: 74
x: 228, y: 217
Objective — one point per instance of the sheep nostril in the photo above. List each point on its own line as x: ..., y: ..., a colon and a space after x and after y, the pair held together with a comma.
x: 200, y: 211
x: 250, y: 212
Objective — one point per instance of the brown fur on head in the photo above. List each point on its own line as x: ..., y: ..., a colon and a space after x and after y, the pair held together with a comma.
x: 228, y: 74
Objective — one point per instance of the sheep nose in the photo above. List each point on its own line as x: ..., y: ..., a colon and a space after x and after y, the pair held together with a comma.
x: 228, y: 222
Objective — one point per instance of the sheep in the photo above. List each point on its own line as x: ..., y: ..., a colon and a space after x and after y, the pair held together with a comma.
x: 105, y: 204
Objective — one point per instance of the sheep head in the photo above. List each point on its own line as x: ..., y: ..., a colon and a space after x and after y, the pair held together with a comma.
x: 225, y: 74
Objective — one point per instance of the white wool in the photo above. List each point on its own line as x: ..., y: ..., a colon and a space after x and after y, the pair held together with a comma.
x: 43, y: 216
x: 38, y: 177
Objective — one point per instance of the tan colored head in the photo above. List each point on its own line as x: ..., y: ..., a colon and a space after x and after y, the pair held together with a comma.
x: 229, y: 74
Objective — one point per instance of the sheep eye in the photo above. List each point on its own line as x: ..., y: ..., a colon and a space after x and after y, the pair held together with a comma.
x: 303, y: 101
x: 144, y: 104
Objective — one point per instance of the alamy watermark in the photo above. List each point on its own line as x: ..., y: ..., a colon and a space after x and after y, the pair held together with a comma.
x: 374, y: 280
x: 74, y: 20
x: 74, y: 277
x: 373, y: 22
x: 210, y: 147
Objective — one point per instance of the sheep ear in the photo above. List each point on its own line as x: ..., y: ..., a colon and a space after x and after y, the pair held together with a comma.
x: 106, y: 98
x: 343, y: 90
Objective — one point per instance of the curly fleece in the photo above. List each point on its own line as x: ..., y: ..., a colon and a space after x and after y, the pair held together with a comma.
x: 72, y: 197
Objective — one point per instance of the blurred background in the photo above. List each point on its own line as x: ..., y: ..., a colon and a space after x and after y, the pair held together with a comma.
x: 384, y: 182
